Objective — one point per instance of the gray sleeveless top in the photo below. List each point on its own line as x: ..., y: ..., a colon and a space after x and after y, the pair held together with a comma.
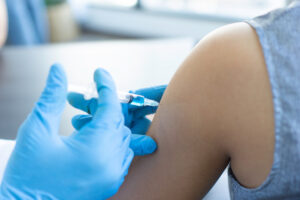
x: 279, y: 34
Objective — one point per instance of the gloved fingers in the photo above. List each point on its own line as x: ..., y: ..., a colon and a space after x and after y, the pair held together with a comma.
x: 128, y: 117
x: 140, y: 126
x: 143, y: 111
x: 53, y: 97
x: 127, y: 162
x: 80, y: 121
x: 125, y: 151
x: 142, y: 145
x: 52, y: 101
x: 154, y: 93
x: 78, y: 101
x: 109, y: 110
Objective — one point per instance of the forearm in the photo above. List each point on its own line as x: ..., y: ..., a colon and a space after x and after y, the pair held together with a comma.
x: 3, y: 23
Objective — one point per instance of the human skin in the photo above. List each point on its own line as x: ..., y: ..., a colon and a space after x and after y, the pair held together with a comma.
x: 217, y: 110
x: 3, y: 22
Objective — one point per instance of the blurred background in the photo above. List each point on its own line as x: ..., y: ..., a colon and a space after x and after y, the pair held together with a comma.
x: 33, y: 22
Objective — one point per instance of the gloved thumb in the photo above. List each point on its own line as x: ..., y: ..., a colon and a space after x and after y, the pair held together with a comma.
x: 51, y: 103
x: 142, y: 145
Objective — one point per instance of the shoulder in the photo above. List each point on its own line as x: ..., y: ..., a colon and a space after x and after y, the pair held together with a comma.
x: 236, y: 44
x: 228, y: 69
x: 231, y: 54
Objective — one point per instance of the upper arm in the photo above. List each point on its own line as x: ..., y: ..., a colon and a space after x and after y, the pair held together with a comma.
x: 3, y: 22
x: 198, y: 119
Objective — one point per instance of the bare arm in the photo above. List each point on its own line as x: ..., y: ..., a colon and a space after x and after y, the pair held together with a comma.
x: 3, y: 22
x: 208, y: 117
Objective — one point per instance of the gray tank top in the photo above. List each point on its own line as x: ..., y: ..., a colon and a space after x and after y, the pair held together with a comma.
x: 279, y: 34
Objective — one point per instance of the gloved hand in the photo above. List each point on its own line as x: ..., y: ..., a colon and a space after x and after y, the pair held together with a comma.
x: 135, y: 117
x: 90, y: 164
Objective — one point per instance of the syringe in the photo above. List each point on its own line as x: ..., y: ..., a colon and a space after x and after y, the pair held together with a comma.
x: 124, y: 97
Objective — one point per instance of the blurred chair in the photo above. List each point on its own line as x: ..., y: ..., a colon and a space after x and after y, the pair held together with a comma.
x: 62, y: 25
x: 27, y: 22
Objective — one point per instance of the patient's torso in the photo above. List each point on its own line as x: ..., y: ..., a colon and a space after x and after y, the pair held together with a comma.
x: 279, y: 34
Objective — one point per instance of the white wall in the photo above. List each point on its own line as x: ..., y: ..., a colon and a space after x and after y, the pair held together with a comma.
x: 142, y: 23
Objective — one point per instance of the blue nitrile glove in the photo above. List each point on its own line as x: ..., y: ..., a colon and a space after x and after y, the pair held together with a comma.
x: 91, y: 164
x: 135, y: 117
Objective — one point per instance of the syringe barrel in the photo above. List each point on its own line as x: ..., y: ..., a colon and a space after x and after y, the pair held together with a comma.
x: 91, y: 92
